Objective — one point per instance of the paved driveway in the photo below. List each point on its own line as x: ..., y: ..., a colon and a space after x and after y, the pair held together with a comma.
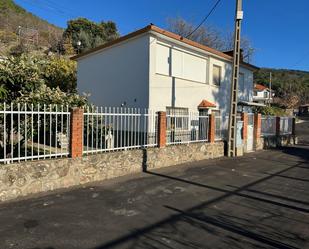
x: 257, y: 201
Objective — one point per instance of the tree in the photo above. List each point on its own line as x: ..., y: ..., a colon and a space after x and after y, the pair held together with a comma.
x: 85, y: 41
x: 18, y: 74
x: 67, y: 46
x: 26, y: 74
x: 291, y: 87
x: 59, y: 72
x: 89, y: 33
x: 209, y: 36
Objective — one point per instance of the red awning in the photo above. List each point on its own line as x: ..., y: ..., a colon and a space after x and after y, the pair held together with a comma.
x: 206, y: 104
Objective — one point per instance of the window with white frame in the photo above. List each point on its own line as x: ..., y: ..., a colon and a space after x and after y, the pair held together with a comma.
x: 189, y: 66
x: 163, y: 59
x: 178, y: 118
x: 216, y: 75
x: 181, y: 64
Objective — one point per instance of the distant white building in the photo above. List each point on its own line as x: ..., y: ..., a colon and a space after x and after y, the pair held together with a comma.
x: 262, y: 94
x: 154, y: 68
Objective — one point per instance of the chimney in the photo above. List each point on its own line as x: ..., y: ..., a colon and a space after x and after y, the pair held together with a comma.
x: 231, y: 53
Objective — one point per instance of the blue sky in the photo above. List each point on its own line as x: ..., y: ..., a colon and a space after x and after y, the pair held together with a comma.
x: 278, y: 29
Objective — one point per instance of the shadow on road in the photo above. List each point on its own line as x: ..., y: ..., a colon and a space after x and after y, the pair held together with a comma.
x: 299, y: 151
x: 203, y: 218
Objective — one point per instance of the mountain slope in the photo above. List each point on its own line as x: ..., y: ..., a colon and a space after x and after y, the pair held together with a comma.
x: 291, y: 86
x: 15, y: 21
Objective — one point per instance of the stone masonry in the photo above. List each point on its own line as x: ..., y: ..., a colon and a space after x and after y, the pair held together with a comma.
x: 22, y: 179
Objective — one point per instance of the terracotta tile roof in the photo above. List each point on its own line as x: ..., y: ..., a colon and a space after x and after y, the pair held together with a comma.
x: 206, y: 104
x: 260, y: 87
x: 153, y: 28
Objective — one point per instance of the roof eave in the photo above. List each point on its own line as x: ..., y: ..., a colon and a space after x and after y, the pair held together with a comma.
x: 165, y: 33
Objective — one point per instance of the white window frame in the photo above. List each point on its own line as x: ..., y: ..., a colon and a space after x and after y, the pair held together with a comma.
x: 220, y: 75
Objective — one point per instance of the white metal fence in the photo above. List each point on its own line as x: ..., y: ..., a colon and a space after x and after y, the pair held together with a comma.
x: 221, y: 127
x: 186, y: 128
x: 286, y: 124
x: 110, y: 129
x: 268, y: 126
x: 29, y: 132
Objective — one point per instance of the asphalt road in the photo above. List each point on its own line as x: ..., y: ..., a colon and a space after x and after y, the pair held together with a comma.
x: 257, y: 201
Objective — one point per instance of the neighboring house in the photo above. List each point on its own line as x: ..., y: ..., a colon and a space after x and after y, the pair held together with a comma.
x: 154, y: 68
x: 262, y: 94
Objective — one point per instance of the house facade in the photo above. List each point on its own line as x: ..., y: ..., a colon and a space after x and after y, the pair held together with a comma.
x: 262, y: 94
x: 156, y: 69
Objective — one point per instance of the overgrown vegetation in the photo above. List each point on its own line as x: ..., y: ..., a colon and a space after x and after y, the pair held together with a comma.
x: 39, y: 79
x: 29, y: 72
x: 15, y: 21
x: 89, y: 33
x: 291, y: 87
x: 271, y: 111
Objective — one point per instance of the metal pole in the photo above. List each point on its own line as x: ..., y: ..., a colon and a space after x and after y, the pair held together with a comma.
x: 234, y: 85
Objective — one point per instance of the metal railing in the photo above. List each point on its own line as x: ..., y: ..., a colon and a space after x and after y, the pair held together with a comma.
x: 221, y: 127
x: 111, y: 129
x: 268, y: 126
x: 186, y: 128
x: 29, y: 132
x: 286, y: 125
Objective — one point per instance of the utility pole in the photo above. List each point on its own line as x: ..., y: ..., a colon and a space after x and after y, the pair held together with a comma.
x: 270, y: 95
x: 234, y: 86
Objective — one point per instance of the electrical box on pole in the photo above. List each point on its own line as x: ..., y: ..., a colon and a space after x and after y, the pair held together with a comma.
x: 234, y: 84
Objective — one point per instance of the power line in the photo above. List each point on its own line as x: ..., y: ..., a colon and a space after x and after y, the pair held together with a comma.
x: 301, y: 59
x: 205, y: 18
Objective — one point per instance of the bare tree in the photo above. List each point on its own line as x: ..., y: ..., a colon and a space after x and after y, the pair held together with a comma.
x: 209, y: 36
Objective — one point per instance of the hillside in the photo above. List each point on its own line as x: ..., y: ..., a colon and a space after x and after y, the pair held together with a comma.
x: 16, y: 22
x: 291, y: 86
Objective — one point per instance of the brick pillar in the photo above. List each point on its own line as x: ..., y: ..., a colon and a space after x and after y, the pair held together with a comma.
x: 244, y: 118
x: 77, y: 129
x: 277, y: 126
x: 212, y: 128
x: 257, y: 126
x: 258, y: 141
x: 161, y: 129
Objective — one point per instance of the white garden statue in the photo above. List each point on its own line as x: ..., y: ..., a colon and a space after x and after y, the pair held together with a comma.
x: 109, y: 140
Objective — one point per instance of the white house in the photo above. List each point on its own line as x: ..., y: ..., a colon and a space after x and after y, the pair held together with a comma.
x: 154, y: 68
x: 262, y: 94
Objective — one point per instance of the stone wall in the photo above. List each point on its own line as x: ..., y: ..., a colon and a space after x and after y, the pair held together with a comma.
x: 279, y: 141
x: 31, y: 177
x: 177, y: 154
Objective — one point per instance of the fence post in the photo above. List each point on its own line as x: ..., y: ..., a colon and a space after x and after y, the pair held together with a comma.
x: 161, y: 129
x: 77, y: 129
x: 257, y: 131
x: 293, y: 126
x: 212, y: 128
x: 294, y: 138
x: 277, y: 126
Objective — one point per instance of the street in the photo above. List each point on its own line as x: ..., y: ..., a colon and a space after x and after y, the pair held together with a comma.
x: 260, y: 200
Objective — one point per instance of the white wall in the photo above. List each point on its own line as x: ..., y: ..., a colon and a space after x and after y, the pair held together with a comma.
x: 166, y: 90
x: 117, y: 74
x: 131, y: 71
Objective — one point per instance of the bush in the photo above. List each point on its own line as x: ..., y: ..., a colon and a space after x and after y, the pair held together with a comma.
x: 59, y: 72
x: 37, y: 79
x: 46, y: 95
x: 271, y: 111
